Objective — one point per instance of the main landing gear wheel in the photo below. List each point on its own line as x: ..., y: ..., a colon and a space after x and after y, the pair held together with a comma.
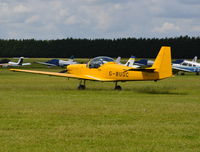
x: 117, y: 87
x: 81, y: 86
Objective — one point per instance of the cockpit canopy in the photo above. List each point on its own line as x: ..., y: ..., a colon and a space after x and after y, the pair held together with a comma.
x: 98, y: 61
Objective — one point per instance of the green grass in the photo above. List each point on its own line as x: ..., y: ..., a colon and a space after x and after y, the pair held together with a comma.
x: 47, y: 114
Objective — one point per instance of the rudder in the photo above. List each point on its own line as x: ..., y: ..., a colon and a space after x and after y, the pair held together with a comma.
x: 162, y: 63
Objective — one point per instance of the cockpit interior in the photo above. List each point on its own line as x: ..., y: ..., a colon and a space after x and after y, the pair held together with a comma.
x: 98, y: 61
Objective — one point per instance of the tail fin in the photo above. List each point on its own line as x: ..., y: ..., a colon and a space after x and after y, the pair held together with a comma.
x: 71, y: 58
x: 20, y: 61
x: 195, y: 59
x: 118, y: 59
x: 162, y: 63
x: 130, y: 62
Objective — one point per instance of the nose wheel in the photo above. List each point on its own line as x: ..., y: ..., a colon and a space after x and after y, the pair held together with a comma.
x: 117, y: 87
x: 82, y: 86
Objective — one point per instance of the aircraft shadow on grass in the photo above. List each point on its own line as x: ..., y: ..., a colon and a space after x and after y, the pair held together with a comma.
x: 144, y: 90
x: 159, y: 90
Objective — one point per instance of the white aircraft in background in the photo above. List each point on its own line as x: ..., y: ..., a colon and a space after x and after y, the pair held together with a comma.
x: 187, y: 66
x: 57, y: 62
x: 177, y: 65
x: 14, y: 64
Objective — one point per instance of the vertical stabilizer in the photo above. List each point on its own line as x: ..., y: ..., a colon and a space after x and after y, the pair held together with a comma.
x: 130, y: 62
x: 20, y: 61
x: 71, y: 59
x: 195, y: 59
x: 162, y: 63
x: 118, y: 60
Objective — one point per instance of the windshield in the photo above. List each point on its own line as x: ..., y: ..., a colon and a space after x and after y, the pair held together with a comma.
x: 98, y: 61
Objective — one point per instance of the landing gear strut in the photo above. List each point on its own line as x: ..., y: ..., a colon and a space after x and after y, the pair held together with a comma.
x: 81, y: 86
x: 117, y: 87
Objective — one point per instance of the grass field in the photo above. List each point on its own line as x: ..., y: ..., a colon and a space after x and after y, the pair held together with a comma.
x: 48, y: 114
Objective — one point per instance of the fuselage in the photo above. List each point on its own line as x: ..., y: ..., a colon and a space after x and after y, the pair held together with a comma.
x: 188, y: 66
x: 65, y: 63
x: 112, y: 71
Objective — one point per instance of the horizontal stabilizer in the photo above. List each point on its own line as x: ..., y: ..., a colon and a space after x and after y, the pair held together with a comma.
x: 143, y: 70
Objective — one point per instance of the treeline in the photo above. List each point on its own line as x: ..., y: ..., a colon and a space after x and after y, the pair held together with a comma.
x: 182, y: 47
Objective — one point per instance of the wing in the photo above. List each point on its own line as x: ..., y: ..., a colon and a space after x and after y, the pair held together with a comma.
x: 142, y: 69
x: 85, y: 77
x: 26, y: 64
x: 182, y: 69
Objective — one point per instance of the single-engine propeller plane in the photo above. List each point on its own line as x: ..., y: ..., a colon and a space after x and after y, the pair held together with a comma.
x: 105, y: 69
x: 15, y: 64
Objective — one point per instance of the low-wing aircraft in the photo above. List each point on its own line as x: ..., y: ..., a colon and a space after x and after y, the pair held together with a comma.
x: 177, y: 65
x: 57, y: 62
x: 14, y: 64
x: 187, y: 66
x: 105, y: 69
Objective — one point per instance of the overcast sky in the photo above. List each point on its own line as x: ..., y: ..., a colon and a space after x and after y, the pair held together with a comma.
x: 57, y: 19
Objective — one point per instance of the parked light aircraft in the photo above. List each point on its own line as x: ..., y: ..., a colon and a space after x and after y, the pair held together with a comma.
x: 177, y: 65
x: 57, y: 62
x: 14, y: 64
x: 105, y: 69
x: 187, y: 66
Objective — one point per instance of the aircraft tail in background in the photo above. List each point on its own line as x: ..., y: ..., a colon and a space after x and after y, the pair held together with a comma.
x: 118, y: 60
x: 195, y: 59
x: 20, y: 61
x: 130, y: 62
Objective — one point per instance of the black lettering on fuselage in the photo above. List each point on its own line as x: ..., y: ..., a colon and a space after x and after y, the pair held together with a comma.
x: 118, y: 74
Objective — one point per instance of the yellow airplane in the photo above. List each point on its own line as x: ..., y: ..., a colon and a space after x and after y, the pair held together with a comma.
x: 105, y: 69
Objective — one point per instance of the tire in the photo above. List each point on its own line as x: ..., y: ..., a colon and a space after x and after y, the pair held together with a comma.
x: 81, y: 87
x: 118, y: 88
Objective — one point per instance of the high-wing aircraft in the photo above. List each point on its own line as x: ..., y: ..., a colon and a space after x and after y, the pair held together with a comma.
x: 14, y: 64
x: 57, y: 62
x: 105, y: 69
x: 177, y: 65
